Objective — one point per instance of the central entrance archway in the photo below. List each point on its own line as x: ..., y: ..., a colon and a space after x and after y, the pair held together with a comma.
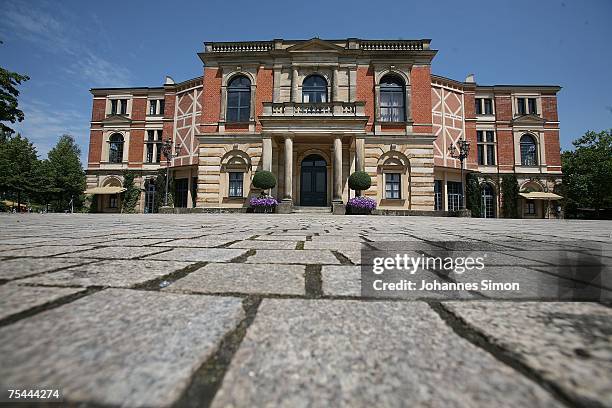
x: 313, y: 181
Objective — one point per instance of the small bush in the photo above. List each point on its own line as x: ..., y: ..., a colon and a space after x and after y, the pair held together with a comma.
x: 263, y: 202
x: 264, y: 180
x: 359, y: 181
x: 364, y: 203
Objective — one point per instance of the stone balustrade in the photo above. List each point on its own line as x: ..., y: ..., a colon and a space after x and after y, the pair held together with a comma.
x: 399, y: 45
x: 333, y: 109
x: 249, y: 46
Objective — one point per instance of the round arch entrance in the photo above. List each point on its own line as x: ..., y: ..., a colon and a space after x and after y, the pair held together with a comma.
x: 313, y: 181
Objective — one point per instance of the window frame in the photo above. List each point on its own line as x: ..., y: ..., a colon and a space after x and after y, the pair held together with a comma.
x: 393, y: 183
x: 115, y: 156
x: 438, y: 194
x: 523, y: 157
x: 397, y: 113
x: 235, y: 187
x: 319, y: 90
x: 454, y: 196
x: 530, y: 207
x: 484, y: 144
x: 243, y: 104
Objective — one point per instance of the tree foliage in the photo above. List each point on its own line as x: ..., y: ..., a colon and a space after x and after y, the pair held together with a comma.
x: 68, y: 174
x: 473, y: 195
x: 587, y: 173
x: 264, y: 180
x: 359, y: 181
x: 131, y: 194
x: 18, y: 161
x: 510, y: 195
x: 9, y: 110
x: 160, y: 190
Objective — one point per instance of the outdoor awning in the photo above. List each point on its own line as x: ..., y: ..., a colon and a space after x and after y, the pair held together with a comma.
x: 538, y: 195
x: 105, y: 190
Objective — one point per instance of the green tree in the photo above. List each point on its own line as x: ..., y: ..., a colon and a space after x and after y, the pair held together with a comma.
x: 587, y: 172
x: 68, y: 175
x: 44, y: 189
x: 359, y: 181
x: 131, y: 194
x: 510, y: 195
x: 9, y: 110
x: 18, y: 162
x: 473, y: 195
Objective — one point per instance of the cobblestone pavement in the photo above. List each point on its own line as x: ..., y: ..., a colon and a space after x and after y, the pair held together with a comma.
x: 266, y: 310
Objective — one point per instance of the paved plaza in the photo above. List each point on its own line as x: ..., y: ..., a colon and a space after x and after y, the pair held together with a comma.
x: 253, y: 310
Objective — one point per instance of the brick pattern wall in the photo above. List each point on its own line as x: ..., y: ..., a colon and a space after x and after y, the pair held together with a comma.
x: 95, y: 148
x: 211, y: 100
x: 365, y: 93
x: 420, y: 85
x: 98, y: 112
x: 265, y: 90
x: 549, y: 108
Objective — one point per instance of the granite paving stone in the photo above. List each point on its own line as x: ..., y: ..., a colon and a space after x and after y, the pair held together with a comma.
x: 244, y: 278
x: 281, y: 238
x: 206, y: 242
x: 115, y: 273
x: 16, y: 298
x: 118, y: 347
x: 21, y: 267
x: 280, y: 256
x: 116, y: 252
x: 45, y: 250
x: 568, y: 344
x: 322, y: 353
x: 255, y: 244
x: 200, y: 254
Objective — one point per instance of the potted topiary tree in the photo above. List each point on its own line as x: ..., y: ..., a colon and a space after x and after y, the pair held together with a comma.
x: 263, y: 180
x: 360, y: 181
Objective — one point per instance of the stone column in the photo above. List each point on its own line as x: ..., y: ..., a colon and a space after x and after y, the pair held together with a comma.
x: 335, y: 85
x: 337, y: 206
x: 359, y: 153
x: 286, y: 205
x: 294, y: 85
x: 266, y: 154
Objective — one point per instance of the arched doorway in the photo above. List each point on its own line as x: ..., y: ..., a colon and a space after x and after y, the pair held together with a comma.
x: 488, y: 201
x: 313, y: 181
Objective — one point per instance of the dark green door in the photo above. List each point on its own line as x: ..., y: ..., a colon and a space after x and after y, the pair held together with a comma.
x: 313, y: 190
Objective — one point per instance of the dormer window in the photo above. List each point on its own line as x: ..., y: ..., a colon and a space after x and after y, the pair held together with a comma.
x: 314, y: 89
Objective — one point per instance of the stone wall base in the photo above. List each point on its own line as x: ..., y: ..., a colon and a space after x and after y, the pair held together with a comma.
x: 284, y: 207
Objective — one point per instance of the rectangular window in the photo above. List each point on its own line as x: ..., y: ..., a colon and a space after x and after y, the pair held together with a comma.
x: 194, y: 191
x: 159, y: 152
x: 123, y: 103
x: 162, y: 106
x: 113, y: 106
x: 520, y: 105
x: 235, y: 184
x: 533, y: 107
x: 153, y: 107
x: 488, y: 106
x: 454, y: 196
x: 438, y: 195
x: 530, y: 208
x: 112, y: 201
x: 392, y: 185
x: 478, y: 106
x: 150, y: 152
x: 486, y: 147
x: 150, y: 135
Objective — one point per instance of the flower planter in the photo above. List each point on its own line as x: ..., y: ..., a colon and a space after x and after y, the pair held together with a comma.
x: 263, y: 209
x: 358, y: 211
x: 360, y: 206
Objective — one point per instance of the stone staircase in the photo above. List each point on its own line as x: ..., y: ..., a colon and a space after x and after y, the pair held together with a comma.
x: 311, y: 210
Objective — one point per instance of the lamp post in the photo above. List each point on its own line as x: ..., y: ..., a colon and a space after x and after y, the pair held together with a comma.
x: 461, y: 154
x: 167, y: 152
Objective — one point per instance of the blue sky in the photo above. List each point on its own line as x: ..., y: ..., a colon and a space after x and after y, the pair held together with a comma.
x: 68, y: 47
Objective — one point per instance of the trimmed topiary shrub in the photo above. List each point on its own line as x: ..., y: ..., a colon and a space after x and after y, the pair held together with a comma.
x: 359, y: 181
x: 264, y: 180
x: 510, y: 196
x: 473, y: 195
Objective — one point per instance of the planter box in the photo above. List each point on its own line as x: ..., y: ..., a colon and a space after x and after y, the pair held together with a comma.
x: 357, y: 211
x: 260, y: 209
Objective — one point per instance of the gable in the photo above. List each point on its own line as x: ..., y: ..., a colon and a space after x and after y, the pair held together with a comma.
x: 528, y: 120
x: 315, y: 45
x: 117, y: 119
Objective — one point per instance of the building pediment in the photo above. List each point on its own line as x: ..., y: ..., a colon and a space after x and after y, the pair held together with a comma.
x: 528, y: 120
x: 315, y: 45
x: 117, y: 120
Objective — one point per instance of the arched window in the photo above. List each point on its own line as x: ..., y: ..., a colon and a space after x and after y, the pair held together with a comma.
x: 392, y: 99
x: 239, y: 99
x: 529, y: 156
x: 314, y: 89
x: 115, y: 151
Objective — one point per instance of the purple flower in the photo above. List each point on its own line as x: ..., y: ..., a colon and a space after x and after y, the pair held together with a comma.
x: 265, y: 201
x: 362, y: 202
